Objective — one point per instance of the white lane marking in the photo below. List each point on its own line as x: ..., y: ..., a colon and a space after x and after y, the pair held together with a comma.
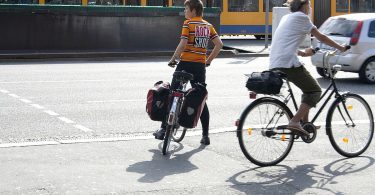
x: 144, y: 100
x: 50, y: 112
x: 108, y: 139
x: 189, y: 133
x: 228, y: 97
x: 83, y: 128
x: 66, y: 120
x: 25, y: 100
x: 4, y: 91
x: 25, y: 144
x: 37, y: 106
x: 14, y: 95
x: 61, y: 81
x: 105, y: 101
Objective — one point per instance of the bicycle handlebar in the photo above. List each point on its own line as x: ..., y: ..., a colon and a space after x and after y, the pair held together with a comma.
x: 347, y: 47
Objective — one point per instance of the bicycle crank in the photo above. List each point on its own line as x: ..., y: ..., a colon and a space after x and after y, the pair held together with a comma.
x: 309, y: 127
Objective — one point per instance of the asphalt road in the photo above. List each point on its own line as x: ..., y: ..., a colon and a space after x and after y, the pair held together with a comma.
x: 81, y: 128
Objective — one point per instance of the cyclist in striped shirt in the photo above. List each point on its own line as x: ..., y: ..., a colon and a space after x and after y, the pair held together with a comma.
x: 192, y: 52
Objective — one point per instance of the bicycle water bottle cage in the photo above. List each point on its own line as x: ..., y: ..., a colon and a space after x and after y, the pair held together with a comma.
x: 183, y: 76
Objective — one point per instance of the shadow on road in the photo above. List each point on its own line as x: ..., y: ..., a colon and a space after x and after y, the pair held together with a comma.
x: 286, y: 180
x: 161, y: 166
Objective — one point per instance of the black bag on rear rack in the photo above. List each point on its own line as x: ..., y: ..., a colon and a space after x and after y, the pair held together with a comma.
x: 193, y: 105
x: 266, y: 82
x: 157, y: 101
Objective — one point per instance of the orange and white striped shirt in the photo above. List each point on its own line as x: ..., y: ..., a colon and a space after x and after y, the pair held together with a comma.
x: 198, y: 32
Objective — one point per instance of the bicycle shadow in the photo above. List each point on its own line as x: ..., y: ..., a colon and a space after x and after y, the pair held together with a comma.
x: 283, y: 179
x: 161, y: 166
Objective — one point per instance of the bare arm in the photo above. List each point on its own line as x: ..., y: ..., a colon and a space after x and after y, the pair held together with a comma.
x: 179, y: 50
x: 323, y: 38
x: 218, y: 45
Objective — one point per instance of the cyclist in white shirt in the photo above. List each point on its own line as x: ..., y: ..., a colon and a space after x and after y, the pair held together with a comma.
x: 284, y: 53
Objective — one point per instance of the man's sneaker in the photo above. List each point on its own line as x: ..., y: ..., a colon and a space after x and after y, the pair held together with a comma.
x: 296, y: 128
x: 159, y: 134
x: 205, y: 140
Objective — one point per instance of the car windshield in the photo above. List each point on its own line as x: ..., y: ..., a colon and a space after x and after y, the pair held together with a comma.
x: 338, y: 27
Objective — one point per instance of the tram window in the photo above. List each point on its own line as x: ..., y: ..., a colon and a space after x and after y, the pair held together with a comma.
x: 371, y: 30
x: 342, y: 6
x: 64, y: 2
x: 179, y: 3
x: 105, y: 2
x: 362, y: 6
x: 243, y: 6
x: 133, y: 2
x: 214, y: 3
x: 155, y: 2
x: 19, y: 1
x: 273, y: 3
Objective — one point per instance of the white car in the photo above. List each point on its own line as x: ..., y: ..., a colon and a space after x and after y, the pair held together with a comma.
x: 357, y: 30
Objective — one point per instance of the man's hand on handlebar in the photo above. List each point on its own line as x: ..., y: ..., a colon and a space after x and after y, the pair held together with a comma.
x: 309, y: 52
x: 172, y: 63
x: 344, y: 48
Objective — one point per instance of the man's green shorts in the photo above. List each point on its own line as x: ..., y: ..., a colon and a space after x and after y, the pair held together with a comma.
x: 303, y: 80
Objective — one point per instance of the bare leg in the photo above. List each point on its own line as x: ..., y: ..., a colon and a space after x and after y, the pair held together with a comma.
x: 306, y: 117
x: 302, y: 113
x: 294, y: 123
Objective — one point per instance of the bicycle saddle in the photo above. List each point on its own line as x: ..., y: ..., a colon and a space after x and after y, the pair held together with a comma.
x: 183, y: 76
x: 280, y: 74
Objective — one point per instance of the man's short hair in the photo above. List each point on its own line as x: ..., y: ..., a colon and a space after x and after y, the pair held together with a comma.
x: 296, y: 5
x: 196, y: 5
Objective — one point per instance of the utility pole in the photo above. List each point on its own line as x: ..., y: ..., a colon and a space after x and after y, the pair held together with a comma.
x: 267, y: 25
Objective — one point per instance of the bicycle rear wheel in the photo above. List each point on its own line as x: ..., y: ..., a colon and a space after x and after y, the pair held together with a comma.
x: 167, y: 139
x: 178, y: 134
x: 260, y: 140
x: 350, y: 125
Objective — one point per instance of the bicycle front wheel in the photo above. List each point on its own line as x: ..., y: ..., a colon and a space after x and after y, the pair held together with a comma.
x: 167, y: 139
x: 260, y: 140
x: 350, y: 125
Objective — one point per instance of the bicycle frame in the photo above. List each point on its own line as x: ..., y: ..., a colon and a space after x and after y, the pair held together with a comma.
x: 178, y: 96
x: 332, y: 85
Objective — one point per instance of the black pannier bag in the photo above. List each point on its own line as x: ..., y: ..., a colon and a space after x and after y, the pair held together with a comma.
x: 193, y: 105
x: 157, y: 101
x: 266, y: 82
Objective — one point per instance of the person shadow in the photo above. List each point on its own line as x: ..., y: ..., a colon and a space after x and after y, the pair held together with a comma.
x: 161, y: 166
x: 282, y: 179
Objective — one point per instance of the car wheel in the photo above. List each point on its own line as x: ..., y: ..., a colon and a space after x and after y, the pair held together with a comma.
x: 323, y: 72
x: 258, y: 37
x: 367, y: 72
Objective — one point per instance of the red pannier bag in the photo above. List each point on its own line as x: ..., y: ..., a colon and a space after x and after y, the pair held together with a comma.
x: 157, y: 101
x: 193, y: 105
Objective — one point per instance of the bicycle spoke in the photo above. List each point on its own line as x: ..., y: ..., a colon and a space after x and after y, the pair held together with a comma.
x: 260, y: 141
x: 350, y: 138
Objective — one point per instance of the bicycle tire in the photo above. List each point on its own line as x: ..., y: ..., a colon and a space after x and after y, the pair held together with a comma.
x: 285, y: 144
x: 344, y: 141
x: 167, y: 139
x: 178, y: 134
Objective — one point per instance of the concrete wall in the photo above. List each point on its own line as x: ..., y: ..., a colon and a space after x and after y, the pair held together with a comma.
x: 61, y: 29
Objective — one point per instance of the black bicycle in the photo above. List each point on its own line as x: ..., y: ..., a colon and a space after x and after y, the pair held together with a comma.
x: 265, y: 141
x: 174, y: 130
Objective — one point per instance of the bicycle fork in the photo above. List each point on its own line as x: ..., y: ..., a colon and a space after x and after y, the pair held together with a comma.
x: 173, y: 113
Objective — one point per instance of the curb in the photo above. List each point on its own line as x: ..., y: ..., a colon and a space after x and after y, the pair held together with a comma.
x: 231, y: 53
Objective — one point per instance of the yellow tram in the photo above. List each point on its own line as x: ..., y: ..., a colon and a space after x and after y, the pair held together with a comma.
x: 238, y: 17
